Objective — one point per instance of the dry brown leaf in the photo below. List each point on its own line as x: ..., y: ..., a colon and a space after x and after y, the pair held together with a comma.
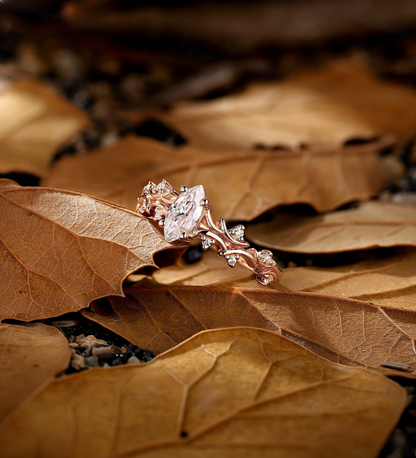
x: 326, y: 107
x: 60, y: 250
x: 241, y: 185
x: 371, y: 225
x: 211, y: 270
x: 346, y: 331
x: 389, y: 281
x: 35, y: 120
x: 30, y: 355
x: 230, y: 393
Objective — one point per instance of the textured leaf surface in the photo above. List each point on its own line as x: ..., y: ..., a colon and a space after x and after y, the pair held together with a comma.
x: 29, y: 356
x: 371, y: 225
x: 240, y: 184
x: 35, y: 120
x: 389, y: 281
x: 60, y: 250
x: 235, y: 392
x: 351, y: 332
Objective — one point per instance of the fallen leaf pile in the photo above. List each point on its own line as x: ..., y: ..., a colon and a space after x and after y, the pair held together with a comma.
x: 287, y: 401
x: 317, y: 166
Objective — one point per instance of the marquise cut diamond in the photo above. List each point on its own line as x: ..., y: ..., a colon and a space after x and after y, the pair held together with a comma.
x: 184, y: 214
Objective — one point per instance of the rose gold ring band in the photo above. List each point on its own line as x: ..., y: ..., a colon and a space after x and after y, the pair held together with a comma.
x: 186, y: 214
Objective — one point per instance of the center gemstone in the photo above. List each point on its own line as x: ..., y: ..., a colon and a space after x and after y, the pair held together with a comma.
x: 184, y: 214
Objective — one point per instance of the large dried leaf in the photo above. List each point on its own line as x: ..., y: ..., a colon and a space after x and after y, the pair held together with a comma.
x: 329, y: 106
x: 343, y: 330
x: 35, y: 120
x: 60, y: 250
x: 29, y: 356
x: 388, y: 281
x: 241, y: 185
x: 371, y: 225
x: 230, y: 393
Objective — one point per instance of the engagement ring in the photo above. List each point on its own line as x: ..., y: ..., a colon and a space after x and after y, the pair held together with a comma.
x: 186, y: 215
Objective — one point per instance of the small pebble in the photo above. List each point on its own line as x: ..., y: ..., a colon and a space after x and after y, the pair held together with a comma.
x: 133, y: 360
x: 109, y: 139
x: 73, y: 345
x: 404, y: 197
x: 89, y: 341
x: 64, y: 323
x: 99, y: 351
x: 77, y: 361
x: 92, y: 361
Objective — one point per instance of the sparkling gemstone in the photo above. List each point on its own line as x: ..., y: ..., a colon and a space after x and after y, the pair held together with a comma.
x: 184, y: 214
x: 232, y: 260
x: 237, y: 232
x: 265, y: 256
x: 207, y: 243
x: 158, y: 215
x: 163, y: 186
x: 265, y: 279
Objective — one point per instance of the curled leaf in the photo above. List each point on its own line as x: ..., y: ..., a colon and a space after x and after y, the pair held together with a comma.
x: 231, y: 392
x: 371, y: 225
x: 60, y: 250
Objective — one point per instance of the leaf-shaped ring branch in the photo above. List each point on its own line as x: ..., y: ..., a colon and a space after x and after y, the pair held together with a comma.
x: 186, y: 214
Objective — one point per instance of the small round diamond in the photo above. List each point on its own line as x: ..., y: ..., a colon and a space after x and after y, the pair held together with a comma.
x: 158, y: 215
x: 207, y: 243
x: 265, y: 256
x: 237, y: 232
x: 232, y: 260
